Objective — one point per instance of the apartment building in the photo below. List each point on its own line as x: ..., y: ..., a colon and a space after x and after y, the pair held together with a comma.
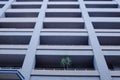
x: 36, y: 35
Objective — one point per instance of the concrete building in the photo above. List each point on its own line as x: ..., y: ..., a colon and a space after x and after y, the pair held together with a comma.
x: 36, y: 35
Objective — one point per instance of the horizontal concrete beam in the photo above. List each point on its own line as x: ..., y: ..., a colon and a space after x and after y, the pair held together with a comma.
x: 103, y: 10
x: 111, y: 52
x: 45, y: 20
x: 111, y: 48
x: 5, y: 20
x: 64, y: 73
x: 14, y: 47
x: 62, y: 19
x: 3, y: 2
x: 26, y: 3
x: 15, y: 33
x: 100, y: 2
x: 115, y: 73
x: 22, y: 10
x: 62, y: 3
x: 63, y: 47
x: 108, y: 34
x: 15, y: 30
x: 12, y: 51
x: 63, y: 34
x: 107, y: 30
x: 63, y: 10
x: 103, y: 19
x: 70, y: 73
x: 65, y: 52
x: 64, y: 30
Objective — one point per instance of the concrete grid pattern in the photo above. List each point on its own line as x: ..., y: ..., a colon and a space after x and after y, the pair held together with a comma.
x: 35, y: 35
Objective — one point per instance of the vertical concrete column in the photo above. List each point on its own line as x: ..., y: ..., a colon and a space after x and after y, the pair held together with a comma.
x: 99, y: 62
x: 29, y: 61
x: 5, y: 7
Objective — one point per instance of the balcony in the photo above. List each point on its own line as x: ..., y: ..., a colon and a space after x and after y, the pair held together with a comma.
x: 63, y: 14
x: 104, y: 14
x: 63, y: 40
x: 16, y: 23
x: 22, y: 13
x: 113, y: 62
x: 11, y: 61
x: 1, y: 5
x: 109, y: 40
x: 53, y: 62
x: 61, y: 4
x: 14, y: 42
x: 26, y: 5
x: 10, y: 75
x: 101, y: 4
x: 63, y: 23
x: 106, y: 25
x: 109, y: 43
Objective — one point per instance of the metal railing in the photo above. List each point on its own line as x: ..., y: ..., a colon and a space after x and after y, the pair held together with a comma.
x: 13, y: 72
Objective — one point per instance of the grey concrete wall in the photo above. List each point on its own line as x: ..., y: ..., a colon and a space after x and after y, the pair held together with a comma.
x: 81, y: 27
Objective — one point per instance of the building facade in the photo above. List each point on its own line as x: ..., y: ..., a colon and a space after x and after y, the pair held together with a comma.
x: 36, y: 35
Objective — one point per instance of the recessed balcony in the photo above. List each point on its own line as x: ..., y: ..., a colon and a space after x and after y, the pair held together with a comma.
x: 21, y: 14
x: 64, y: 40
x: 1, y: 5
x: 104, y: 14
x: 113, y: 62
x: 109, y: 40
x: 25, y: 6
x: 63, y: 14
x: 63, y: 6
x: 11, y: 61
x: 53, y: 62
x: 106, y: 25
x: 101, y: 5
x: 63, y: 23
x: 14, y: 40
x: 17, y: 25
x: 10, y: 75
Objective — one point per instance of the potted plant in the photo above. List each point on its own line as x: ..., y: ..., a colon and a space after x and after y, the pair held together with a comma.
x: 66, y: 62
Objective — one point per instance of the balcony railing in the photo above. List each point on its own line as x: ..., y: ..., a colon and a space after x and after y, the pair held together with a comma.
x: 9, y: 68
x: 5, y: 74
x: 73, y: 69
